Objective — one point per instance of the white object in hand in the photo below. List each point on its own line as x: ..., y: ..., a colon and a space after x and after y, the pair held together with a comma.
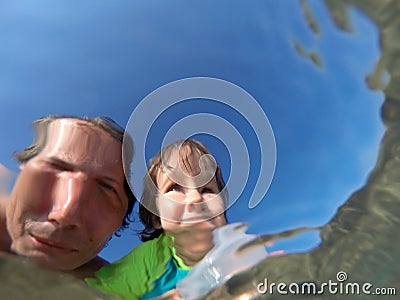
x: 222, y: 261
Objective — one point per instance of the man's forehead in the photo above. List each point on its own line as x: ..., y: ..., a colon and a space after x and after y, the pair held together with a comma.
x: 80, y: 140
x: 70, y: 127
x: 65, y: 123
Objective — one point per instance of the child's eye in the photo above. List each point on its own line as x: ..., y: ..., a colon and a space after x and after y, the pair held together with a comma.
x: 175, y: 188
x: 207, y: 191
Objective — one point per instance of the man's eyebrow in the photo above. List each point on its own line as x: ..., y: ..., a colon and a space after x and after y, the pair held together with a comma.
x: 68, y: 165
x: 61, y: 162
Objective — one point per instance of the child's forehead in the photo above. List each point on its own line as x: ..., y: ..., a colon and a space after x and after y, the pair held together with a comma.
x: 187, y: 160
x: 180, y: 150
x: 187, y: 168
x: 178, y: 153
x: 164, y: 179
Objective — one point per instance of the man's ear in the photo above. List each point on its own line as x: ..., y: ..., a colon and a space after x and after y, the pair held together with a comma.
x: 156, y: 222
x: 6, y: 177
x: 22, y: 165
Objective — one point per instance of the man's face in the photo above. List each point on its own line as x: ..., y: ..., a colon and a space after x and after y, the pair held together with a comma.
x: 69, y: 199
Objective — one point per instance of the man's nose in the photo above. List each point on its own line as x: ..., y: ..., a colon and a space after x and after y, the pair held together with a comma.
x: 68, y: 200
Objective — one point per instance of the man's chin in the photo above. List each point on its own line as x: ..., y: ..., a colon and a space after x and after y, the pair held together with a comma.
x: 50, y: 262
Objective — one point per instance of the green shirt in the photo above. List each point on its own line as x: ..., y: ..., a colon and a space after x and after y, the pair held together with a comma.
x: 149, y: 270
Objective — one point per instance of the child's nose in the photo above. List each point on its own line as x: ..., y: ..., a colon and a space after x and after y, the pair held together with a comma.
x: 194, y: 196
x: 193, y: 201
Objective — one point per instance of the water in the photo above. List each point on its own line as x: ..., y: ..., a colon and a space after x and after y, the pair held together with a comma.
x: 21, y: 279
x: 361, y: 239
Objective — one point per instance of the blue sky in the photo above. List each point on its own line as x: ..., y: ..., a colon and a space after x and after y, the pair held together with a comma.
x: 103, y: 57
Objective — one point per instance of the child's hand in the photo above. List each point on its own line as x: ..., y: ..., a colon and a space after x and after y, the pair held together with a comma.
x: 170, y: 295
x: 193, y: 243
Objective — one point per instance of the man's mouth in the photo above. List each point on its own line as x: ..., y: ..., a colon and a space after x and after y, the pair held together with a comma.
x: 45, y: 243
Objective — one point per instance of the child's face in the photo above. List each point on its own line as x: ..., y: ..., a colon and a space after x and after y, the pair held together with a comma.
x: 189, y: 200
